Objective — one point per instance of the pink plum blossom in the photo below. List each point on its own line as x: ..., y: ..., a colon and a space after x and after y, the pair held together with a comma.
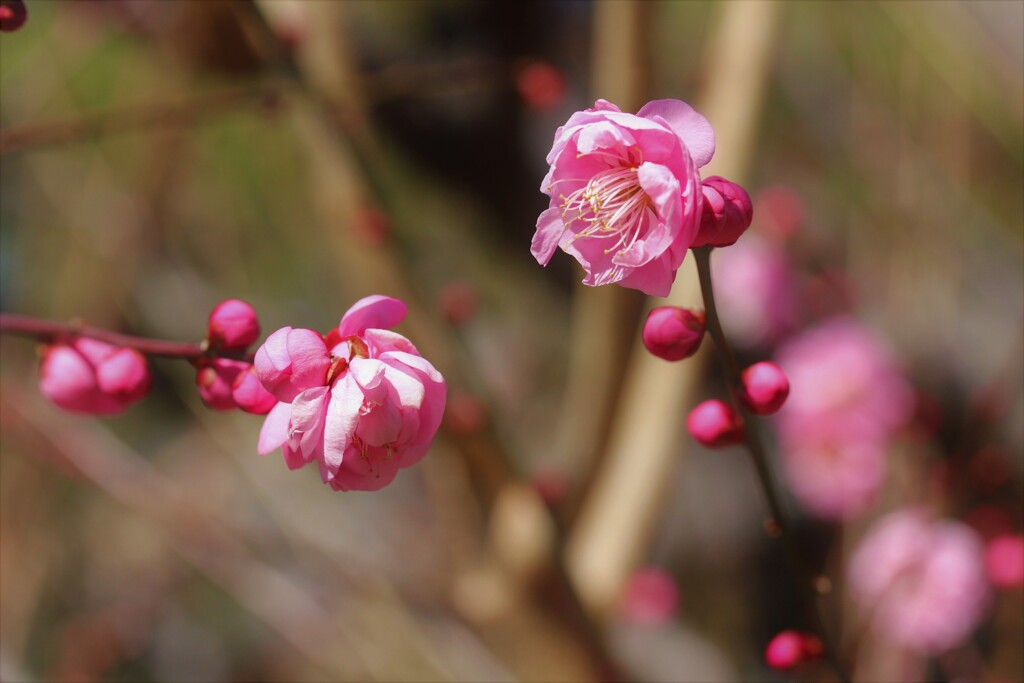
x: 89, y: 376
x: 843, y: 379
x: 1004, y: 560
x: 847, y: 398
x: 756, y: 290
x: 362, y: 403
x: 226, y: 384
x: 625, y: 192
x: 920, y: 581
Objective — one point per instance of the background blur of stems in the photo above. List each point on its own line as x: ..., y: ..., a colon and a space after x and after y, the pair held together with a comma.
x: 158, y: 157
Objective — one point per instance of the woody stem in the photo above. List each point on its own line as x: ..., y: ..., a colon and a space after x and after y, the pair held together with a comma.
x: 779, y: 525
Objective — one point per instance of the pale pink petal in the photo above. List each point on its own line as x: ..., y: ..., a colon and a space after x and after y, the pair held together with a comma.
x: 306, y: 427
x: 365, y: 473
x: 604, y: 136
x: 380, y: 341
x: 381, y: 312
x: 369, y: 375
x: 653, y: 279
x: 291, y: 361
x: 274, y: 432
x: 549, y: 231
x: 407, y: 384
x: 342, y: 417
x: 692, y: 128
x: 272, y: 356
x: 380, y: 426
x: 418, y: 362
x: 293, y: 457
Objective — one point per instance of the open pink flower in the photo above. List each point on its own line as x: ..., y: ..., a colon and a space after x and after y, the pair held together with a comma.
x: 920, y: 580
x: 625, y: 192
x: 363, y: 403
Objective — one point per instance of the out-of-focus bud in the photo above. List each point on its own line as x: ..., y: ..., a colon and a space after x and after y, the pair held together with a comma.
x: 715, y: 424
x: 780, y: 211
x: 726, y: 215
x: 673, y: 333
x: 215, y: 379
x: 765, y: 388
x: 370, y: 226
x: 13, y: 15
x: 93, y: 377
x: 540, y: 85
x: 789, y: 649
x: 250, y: 395
x: 551, y: 484
x: 233, y: 326
x: 124, y: 376
x: 1004, y: 560
x: 458, y: 302
x: 650, y: 596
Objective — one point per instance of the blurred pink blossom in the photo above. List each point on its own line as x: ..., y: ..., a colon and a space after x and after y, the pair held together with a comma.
x: 92, y: 377
x: 13, y: 15
x: 1004, y: 560
x: 625, y: 192
x: 780, y: 211
x: 847, y: 397
x: 843, y: 381
x: 363, y: 403
x: 920, y: 581
x: 789, y: 649
x: 650, y: 596
x: 756, y: 290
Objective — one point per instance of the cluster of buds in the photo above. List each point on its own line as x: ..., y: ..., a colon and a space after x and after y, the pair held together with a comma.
x: 228, y: 383
x: 93, y: 377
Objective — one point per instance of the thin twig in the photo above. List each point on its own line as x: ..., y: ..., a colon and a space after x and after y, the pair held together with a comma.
x: 127, y: 119
x: 755, y: 445
x: 50, y: 331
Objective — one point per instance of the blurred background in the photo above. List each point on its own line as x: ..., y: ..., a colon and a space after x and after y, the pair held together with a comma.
x: 159, y: 157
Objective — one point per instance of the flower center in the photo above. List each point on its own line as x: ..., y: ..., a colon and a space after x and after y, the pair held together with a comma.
x: 611, y: 205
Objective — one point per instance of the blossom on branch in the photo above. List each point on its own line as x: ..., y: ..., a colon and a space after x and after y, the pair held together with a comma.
x: 362, y: 402
x: 92, y: 377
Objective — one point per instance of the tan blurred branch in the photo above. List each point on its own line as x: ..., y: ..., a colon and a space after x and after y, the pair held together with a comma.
x: 181, y: 112
x: 645, y: 444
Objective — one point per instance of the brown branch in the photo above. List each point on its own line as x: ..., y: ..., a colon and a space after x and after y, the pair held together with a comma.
x: 184, y: 112
x: 50, y: 331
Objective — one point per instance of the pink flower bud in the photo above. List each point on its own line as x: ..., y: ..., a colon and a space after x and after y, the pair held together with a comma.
x: 291, y: 361
x: 540, y: 85
x: 124, y: 375
x: 13, y: 15
x: 765, y: 388
x: 715, y: 424
x: 232, y: 326
x: 250, y: 395
x: 650, y: 596
x: 789, y: 649
x: 726, y: 215
x: 1004, y: 561
x: 215, y: 379
x: 93, y: 377
x: 673, y: 333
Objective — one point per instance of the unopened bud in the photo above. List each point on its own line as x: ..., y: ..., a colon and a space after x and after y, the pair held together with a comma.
x: 789, y: 649
x: 727, y: 213
x: 124, y: 375
x: 250, y: 395
x: 715, y: 424
x: 765, y: 388
x: 673, y: 333
x: 215, y: 380
x: 13, y: 15
x: 232, y: 326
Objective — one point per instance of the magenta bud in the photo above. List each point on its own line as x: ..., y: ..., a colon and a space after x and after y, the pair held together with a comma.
x: 789, y: 649
x: 124, y: 376
x: 93, y: 377
x: 715, y: 424
x: 232, y: 326
x: 250, y: 395
x: 13, y: 15
x: 726, y: 215
x: 215, y: 380
x: 765, y: 388
x: 673, y: 333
